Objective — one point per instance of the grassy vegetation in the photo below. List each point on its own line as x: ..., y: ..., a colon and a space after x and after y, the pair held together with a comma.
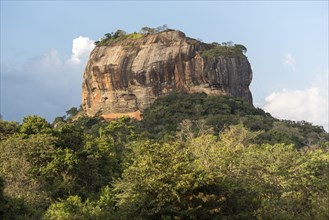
x: 224, y: 50
x: 106, y: 41
x: 120, y: 35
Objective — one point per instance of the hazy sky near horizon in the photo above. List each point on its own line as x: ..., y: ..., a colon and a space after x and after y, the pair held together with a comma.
x: 45, y: 46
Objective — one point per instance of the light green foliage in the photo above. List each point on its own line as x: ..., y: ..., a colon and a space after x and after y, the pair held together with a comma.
x: 119, y: 35
x: 288, y: 181
x: 175, y: 181
x: 35, y: 125
x: 75, y: 208
x: 72, y: 209
x: 226, y: 178
x: 224, y: 50
x: 153, y: 185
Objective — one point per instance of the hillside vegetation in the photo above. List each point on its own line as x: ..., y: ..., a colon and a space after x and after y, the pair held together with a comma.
x: 119, y: 35
x: 210, y: 51
x: 193, y: 156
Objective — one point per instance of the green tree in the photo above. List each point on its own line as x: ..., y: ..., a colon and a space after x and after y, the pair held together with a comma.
x: 152, y: 185
x: 241, y: 48
x: 225, y: 178
x: 72, y: 209
x: 15, y: 208
x: 70, y: 136
x: 75, y: 208
x: 168, y: 181
x: 161, y: 28
x: 119, y: 33
x: 35, y: 125
x: 21, y: 162
x: 7, y: 129
x: 2, y: 198
x: 108, y: 35
x: 147, y: 30
x: 72, y: 112
x: 58, y: 121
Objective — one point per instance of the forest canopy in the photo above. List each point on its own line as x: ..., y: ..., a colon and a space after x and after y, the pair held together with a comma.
x: 193, y: 156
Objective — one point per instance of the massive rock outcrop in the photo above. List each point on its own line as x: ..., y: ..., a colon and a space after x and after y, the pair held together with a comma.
x: 127, y: 76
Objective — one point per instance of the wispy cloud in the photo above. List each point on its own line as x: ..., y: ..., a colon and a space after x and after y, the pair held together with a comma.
x: 290, y: 61
x: 310, y: 104
x: 46, y: 85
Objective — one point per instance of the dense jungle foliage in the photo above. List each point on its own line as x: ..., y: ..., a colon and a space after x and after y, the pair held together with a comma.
x: 193, y: 156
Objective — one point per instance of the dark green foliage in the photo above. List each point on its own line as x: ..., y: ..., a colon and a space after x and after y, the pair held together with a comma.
x: 17, y: 209
x: 90, y: 125
x: 241, y: 48
x: 258, y: 122
x: 72, y: 111
x: 219, y: 111
x: 2, y: 198
x: 148, y: 30
x: 22, y: 159
x: 7, y: 129
x: 58, y: 120
x: 70, y: 136
x: 164, y: 116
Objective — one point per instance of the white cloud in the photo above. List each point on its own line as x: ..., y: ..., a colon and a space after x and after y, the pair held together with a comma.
x: 47, y: 85
x: 310, y: 104
x: 289, y: 60
x: 81, y: 48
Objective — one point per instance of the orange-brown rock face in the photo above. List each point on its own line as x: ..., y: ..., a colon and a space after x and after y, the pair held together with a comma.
x: 128, y: 76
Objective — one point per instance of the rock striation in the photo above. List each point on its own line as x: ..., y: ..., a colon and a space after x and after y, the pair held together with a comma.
x: 127, y: 76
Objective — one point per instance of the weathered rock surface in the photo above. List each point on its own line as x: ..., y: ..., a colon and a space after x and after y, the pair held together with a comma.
x: 128, y: 76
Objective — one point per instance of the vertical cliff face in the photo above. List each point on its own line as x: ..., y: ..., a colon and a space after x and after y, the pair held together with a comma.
x: 126, y: 77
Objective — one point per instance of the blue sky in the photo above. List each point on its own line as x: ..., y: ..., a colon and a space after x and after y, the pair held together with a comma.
x: 287, y: 47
